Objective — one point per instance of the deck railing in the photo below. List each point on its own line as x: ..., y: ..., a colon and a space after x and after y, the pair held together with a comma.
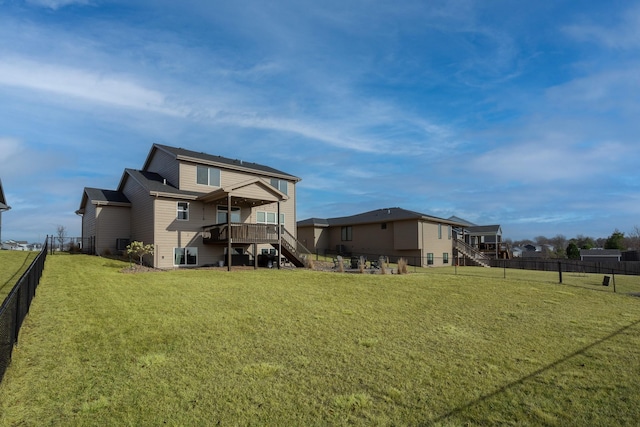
x: 471, y: 252
x: 241, y: 233
x: 298, y: 249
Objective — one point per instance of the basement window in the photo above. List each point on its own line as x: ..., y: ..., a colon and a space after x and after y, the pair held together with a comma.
x: 185, y: 256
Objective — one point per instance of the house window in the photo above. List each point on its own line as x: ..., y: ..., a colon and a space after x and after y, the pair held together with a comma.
x: 383, y: 226
x: 346, y: 233
x: 183, y: 211
x: 185, y: 256
x: 445, y: 258
x: 208, y: 176
x: 280, y: 184
x: 439, y: 231
x: 222, y: 214
x: 449, y: 233
x: 429, y: 259
x: 268, y: 217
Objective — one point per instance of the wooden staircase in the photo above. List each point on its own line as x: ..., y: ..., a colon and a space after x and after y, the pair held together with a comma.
x: 292, y: 249
x: 471, y: 253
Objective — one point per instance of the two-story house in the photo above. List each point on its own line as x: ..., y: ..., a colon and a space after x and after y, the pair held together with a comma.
x: 196, y: 209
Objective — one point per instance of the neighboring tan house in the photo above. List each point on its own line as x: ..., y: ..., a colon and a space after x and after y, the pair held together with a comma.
x: 422, y: 240
x: 179, y: 202
x: 3, y: 207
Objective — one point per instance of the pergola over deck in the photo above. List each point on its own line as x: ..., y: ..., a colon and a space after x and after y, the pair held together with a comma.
x: 247, y: 194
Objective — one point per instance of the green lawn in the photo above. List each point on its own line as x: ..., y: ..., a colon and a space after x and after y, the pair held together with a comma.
x: 12, y: 265
x: 268, y: 347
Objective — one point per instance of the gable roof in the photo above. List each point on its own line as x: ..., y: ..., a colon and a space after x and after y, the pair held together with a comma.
x: 255, y: 191
x: 484, y: 229
x: 3, y: 200
x: 99, y: 196
x: 315, y: 222
x: 218, y: 161
x: 378, y: 215
x: 461, y: 221
x: 156, y: 184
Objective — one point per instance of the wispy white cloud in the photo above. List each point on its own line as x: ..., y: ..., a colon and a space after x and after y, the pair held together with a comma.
x: 444, y: 106
x: 83, y: 84
x: 625, y: 34
x: 57, y: 4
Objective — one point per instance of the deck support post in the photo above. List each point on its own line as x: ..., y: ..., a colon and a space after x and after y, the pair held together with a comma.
x: 255, y: 256
x: 279, y: 236
x: 229, y: 232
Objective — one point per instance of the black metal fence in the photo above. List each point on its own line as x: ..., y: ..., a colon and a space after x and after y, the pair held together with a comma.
x: 85, y: 245
x: 631, y: 268
x: 16, y: 306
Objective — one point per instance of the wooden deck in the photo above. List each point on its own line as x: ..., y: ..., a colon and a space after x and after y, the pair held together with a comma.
x: 219, y: 234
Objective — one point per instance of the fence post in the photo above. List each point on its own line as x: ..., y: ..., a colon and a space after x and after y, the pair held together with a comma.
x: 560, y: 271
x: 613, y: 276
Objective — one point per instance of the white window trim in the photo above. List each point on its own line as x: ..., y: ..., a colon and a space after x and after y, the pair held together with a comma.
x: 266, y: 217
x: 281, y: 184
x: 209, y: 169
x: 185, y: 264
x: 178, y: 211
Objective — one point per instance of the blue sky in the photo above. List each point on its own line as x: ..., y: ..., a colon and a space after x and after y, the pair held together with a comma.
x: 524, y: 114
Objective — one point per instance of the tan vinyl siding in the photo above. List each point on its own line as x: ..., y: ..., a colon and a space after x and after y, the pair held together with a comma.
x: 89, y: 221
x: 113, y: 222
x: 167, y: 166
x: 173, y: 233
x: 410, y: 239
x: 437, y: 246
x: 287, y: 208
x: 406, y: 235
x: 230, y: 177
x: 227, y: 177
x: 315, y: 239
x: 141, y: 212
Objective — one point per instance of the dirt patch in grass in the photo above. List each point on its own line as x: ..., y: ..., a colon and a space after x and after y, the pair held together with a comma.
x: 136, y: 268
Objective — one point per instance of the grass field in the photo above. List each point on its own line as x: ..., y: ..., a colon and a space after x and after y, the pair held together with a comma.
x: 268, y: 347
x: 12, y: 265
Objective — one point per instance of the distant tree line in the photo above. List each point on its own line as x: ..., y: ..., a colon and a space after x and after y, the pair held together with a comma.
x: 570, y: 248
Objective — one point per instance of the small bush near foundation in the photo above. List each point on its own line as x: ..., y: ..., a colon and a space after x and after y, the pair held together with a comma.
x: 309, y: 263
x: 383, y: 265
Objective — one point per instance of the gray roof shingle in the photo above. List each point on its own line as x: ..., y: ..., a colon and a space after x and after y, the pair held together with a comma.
x: 378, y: 215
x: 231, y: 163
x: 99, y: 194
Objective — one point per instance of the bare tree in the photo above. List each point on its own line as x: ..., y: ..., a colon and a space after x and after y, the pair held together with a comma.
x: 633, y: 238
x: 61, y: 235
